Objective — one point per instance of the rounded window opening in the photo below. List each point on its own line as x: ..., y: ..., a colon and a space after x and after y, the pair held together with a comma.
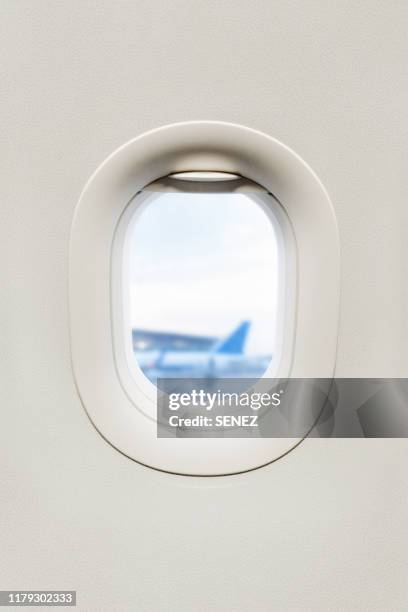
x: 203, y: 281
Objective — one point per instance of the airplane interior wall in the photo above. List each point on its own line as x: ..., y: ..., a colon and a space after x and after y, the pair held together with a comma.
x: 323, y: 528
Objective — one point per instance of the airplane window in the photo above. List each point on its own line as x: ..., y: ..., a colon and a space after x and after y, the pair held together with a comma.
x: 202, y: 283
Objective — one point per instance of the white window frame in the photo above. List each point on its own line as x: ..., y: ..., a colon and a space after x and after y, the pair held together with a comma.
x: 140, y: 390
x: 183, y: 147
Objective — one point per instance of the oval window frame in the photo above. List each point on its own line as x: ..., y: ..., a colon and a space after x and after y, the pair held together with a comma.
x: 141, y: 392
x: 183, y: 147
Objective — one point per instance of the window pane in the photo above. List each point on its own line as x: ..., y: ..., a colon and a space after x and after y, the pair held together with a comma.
x: 203, y: 286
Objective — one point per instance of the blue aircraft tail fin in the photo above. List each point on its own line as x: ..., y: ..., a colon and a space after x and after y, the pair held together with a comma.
x: 235, y: 342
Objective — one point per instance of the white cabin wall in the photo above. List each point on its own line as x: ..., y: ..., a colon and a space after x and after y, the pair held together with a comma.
x: 323, y: 528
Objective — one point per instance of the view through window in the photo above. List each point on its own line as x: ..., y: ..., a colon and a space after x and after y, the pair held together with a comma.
x: 203, y: 286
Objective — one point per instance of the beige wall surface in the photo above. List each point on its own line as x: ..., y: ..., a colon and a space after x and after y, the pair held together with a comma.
x: 324, y: 528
